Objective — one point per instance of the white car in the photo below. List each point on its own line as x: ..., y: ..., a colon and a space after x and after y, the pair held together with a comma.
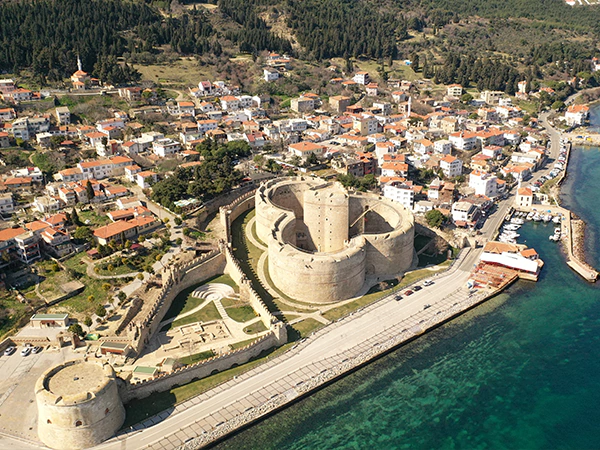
x: 427, y: 283
x: 26, y: 351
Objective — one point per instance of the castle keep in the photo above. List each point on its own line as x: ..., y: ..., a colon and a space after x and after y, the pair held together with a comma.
x: 325, y: 242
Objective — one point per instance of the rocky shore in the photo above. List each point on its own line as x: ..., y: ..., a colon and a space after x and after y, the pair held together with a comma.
x: 578, y: 230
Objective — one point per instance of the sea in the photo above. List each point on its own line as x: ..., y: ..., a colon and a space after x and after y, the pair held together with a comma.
x: 521, y: 371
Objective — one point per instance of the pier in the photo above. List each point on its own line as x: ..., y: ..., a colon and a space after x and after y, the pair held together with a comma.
x: 570, y: 233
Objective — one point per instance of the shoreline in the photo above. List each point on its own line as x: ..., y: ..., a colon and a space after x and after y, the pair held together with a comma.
x: 574, y: 247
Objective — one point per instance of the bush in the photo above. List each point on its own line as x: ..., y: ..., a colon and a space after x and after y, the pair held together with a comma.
x: 76, y: 329
x: 106, y: 287
x: 121, y: 296
x: 100, y: 311
x: 87, y: 321
x: 434, y: 218
x: 178, y: 221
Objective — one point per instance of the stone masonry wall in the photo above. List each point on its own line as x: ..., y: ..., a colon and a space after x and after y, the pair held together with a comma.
x: 199, y: 370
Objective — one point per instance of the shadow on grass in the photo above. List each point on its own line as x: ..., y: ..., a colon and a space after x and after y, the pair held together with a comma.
x: 244, y: 251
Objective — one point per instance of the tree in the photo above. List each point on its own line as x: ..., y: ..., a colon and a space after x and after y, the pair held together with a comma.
x: 434, y: 218
x: 100, y: 311
x: 83, y: 234
x: 89, y: 191
x: 121, y: 296
x: 91, y: 298
x: 466, y: 98
x: 178, y: 221
x: 178, y: 241
x: 75, y: 328
x: 106, y: 286
x: 312, y: 159
x: 87, y: 321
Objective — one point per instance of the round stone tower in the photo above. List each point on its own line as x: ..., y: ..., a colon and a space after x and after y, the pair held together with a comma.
x: 78, y: 405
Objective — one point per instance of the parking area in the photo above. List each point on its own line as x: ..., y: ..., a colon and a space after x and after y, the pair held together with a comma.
x: 18, y: 375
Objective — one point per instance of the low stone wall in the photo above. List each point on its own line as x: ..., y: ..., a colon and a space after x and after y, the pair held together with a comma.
x: 199, y: 370
x: 6, y: 343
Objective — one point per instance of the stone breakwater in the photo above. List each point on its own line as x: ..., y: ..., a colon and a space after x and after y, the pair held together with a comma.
x: 339, y: 365
x: 578, y: 227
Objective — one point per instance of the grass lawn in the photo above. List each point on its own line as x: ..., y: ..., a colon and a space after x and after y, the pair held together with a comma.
x: 255, y: 328
x: 375, y: 294
x: 181, y: 73
x: 139, y: 410
x: 192, y: 359
x: 80, y: 304
x: 184, y: 301
x: 303, y: 328
x: 206, y: 314
x: 248, y: 255
x: 12, y: 312
x: 241, y: 313
x: 96, y: 220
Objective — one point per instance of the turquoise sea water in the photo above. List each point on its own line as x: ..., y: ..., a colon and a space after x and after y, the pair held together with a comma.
x: 521, y: 371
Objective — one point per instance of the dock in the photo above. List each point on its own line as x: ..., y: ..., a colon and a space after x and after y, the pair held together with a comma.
x: 568, y: 231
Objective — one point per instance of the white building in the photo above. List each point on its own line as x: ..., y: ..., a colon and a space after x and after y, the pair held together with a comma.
x: 63, y: 115
x: 451, y: 166
x: 270, y: 74
x: 362, y: 78
x: 165, y: 147
x: 6, y: 204
x: 483, y: 183
x: 577, y: 115
x: 400, y: 193
x: 442, y: 147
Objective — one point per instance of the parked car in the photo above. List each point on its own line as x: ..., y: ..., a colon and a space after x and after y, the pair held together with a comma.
x: 417, y: 288
x: 26, y: 351
x: 426, y: 306
x: 398, y: 297
x: 9, y: 351
x: 36, y: 349
x: 408, y: 292
x: 427, y: 283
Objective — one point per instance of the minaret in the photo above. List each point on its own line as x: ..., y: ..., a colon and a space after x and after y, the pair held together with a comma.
x: 409, y: 107
x: 79, y: 64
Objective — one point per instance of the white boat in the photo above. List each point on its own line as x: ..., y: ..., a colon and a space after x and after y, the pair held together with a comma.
x: 536, y: 217
x: 557, y: 230
x: 511, y: 227
x: 554, y: 238
x: 547, y: 218
x: 530, y: 215
x: 556, y: 219
x: 517, y: 221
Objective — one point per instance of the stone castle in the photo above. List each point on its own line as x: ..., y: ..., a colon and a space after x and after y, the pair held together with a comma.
x: 324, y: 243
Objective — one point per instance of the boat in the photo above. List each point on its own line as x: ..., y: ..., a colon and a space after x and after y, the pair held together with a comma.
x: 536, y: 217
x: 511, y: 227
x: 557, y: 230
x: 554, y: 238
x: 517, y: 221
x: 530, y: 215
x: 547, y: 218
x: 556, y: 219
